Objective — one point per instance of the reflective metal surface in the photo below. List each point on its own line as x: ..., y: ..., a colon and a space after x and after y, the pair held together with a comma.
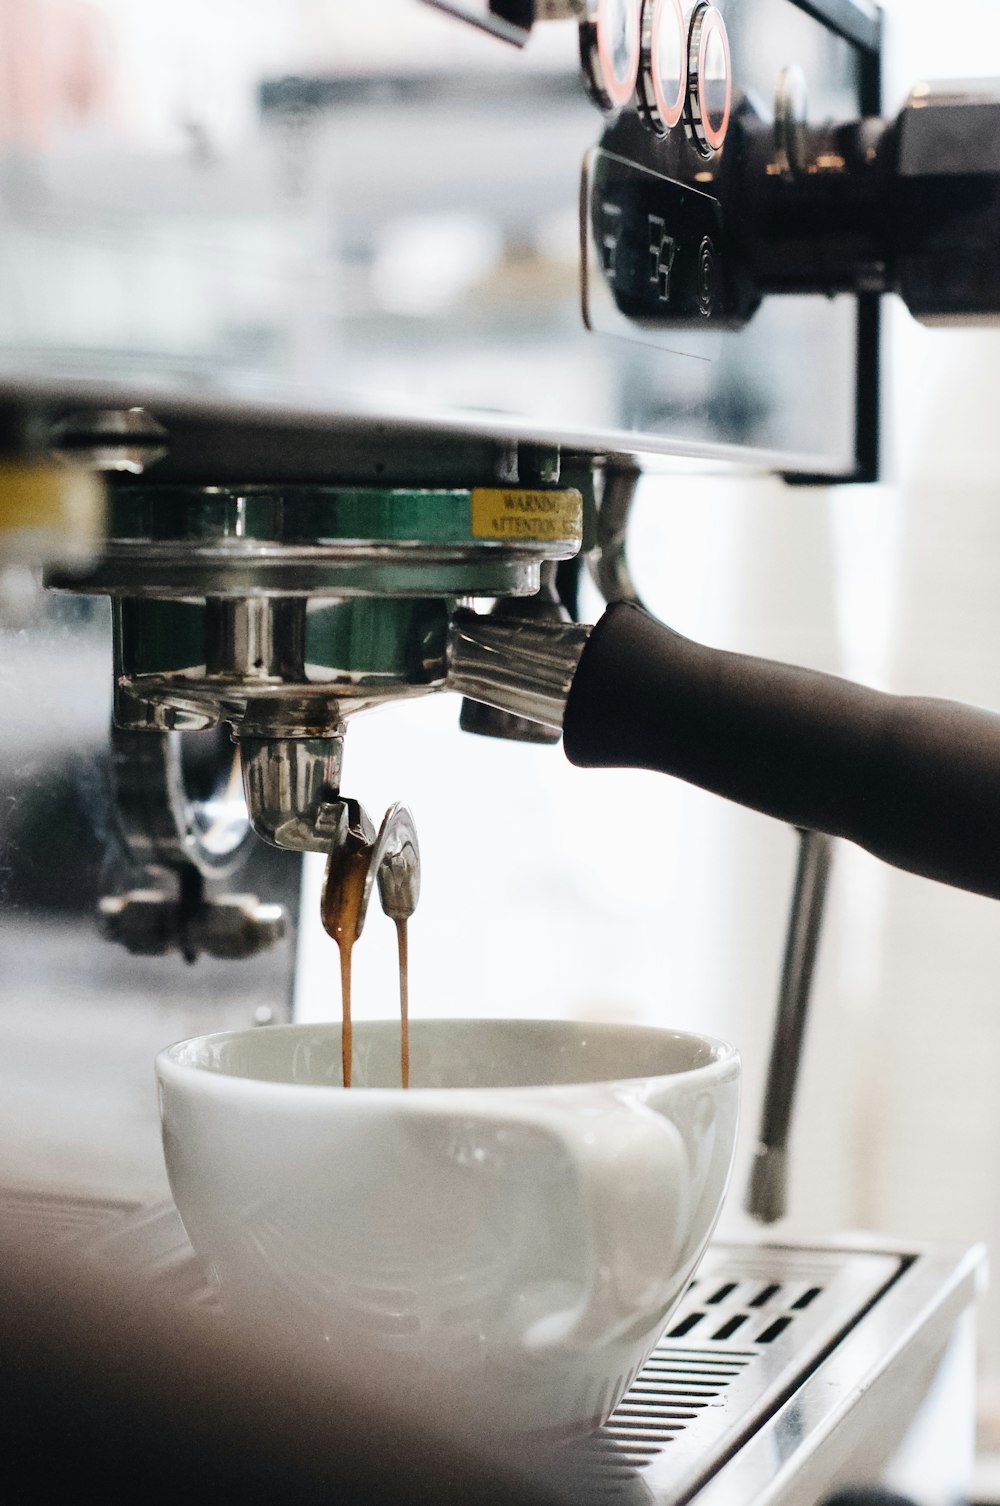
x: 891, y: 1403
x: 124, y: 439
x: 519, y: 665
x: 389, y: 861
x: 547, y: 607
x: 282, y: 610
x: 83, y: 1018
x: 290, y: 784
x: 767, y: 1192
x: 164, y: 823
x: 395, y: 864
x: 754, y: 1323
x: 230, y: 928
x: 284, y: 540
x: 187, y: 831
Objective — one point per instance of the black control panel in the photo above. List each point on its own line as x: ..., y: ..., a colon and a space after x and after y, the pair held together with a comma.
x: 709, y: 197
x: 727, y: 177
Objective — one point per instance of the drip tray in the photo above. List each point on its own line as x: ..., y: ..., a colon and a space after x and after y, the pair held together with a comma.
x: 784, y: 1371
x: 754, y: 1323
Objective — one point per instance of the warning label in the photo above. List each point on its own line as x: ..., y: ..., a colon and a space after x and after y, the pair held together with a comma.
x: 529, y: 515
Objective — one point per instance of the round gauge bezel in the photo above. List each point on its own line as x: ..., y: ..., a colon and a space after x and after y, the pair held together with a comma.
x: 609, y: 92
x: 657, y: 111
x: 710, y: 140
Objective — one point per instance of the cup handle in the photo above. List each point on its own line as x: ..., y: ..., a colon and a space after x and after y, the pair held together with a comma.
x: 633, y: 1182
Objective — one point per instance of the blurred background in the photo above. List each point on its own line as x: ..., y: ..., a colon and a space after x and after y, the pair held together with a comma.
x: 549, y: 891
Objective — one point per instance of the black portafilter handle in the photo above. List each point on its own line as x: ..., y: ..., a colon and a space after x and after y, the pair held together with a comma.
x: 914, y: 781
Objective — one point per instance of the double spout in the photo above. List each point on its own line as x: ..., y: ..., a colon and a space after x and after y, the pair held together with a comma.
x: 359, y: 860
x: 292, y: 788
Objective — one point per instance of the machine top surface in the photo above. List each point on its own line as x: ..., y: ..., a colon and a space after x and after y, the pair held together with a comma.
x: 373, y: 229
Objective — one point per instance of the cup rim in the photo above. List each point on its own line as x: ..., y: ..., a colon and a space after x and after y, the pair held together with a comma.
x: 724, y: 1060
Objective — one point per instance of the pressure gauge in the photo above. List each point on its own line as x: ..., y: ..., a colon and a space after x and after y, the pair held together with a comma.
x: 663, y: 65
x: 609, y: 50
x: 710, y: 80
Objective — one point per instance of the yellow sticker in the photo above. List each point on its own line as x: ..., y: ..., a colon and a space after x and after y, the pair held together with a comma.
x: 35, y: 496
x: 511, y: 513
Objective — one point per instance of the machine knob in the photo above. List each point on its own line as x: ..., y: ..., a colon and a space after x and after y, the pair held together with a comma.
x: 910, y: 206
x: 233, y: 927
x: 947, y: 201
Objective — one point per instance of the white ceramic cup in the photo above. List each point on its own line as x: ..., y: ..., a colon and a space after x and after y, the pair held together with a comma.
x: 518, y: 1224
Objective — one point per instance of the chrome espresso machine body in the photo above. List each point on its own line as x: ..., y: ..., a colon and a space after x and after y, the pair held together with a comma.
x: 330, y: 344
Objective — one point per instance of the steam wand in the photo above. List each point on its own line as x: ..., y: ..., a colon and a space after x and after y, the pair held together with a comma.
x: 767, y: 1193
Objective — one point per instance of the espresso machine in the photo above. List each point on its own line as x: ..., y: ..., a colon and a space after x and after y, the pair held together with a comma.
x: 332, y: 348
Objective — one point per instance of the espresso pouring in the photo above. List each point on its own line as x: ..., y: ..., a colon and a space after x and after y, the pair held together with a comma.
x: 341, y: 911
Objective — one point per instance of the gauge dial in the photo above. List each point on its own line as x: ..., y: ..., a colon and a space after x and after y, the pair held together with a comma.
x: 609, y: 49
x: 663, y: 72
x: 710, y: 80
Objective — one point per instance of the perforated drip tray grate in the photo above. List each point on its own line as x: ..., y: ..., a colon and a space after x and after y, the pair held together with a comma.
x: 755, y: 1321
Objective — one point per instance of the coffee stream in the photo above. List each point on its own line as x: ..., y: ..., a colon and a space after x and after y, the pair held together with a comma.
x: 343, y: 894
x: 403, y: 942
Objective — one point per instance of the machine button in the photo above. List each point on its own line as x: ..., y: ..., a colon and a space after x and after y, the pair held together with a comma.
x: 663, y: 65
x: 609, y: 51
x: 710, y: 80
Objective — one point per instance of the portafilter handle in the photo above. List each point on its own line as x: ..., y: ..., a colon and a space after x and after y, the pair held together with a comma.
x: 916, y: 782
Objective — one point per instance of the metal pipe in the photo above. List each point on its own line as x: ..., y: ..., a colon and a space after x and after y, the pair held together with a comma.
x: 608, y: 560
x: 768, y: 1187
